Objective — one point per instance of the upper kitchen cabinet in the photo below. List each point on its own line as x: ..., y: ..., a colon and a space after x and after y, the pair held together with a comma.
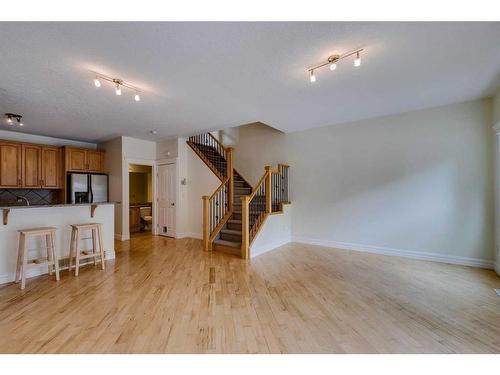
x: 83, y: 160
x: 41, y: 167
x: 31, y: 166
x: 51, y: 167
x: 10, y: 165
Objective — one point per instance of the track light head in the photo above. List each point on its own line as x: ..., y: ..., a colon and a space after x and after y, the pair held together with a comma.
x: 118, y: 89
x: 312, y: 77
x: 357, y: 60
x: 97, y: 83
x: 137, y: 97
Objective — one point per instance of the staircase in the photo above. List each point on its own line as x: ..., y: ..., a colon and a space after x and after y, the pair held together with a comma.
x: 235, y: 212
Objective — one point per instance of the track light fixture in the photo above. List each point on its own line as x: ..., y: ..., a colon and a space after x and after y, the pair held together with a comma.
x: 11, y: 117
x: 118, y: 83
x: 333, y: 60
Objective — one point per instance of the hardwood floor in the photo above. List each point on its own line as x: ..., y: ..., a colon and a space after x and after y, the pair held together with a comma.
x: 168, y: 296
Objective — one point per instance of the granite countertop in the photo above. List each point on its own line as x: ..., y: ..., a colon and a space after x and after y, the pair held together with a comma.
x: 56, y: 205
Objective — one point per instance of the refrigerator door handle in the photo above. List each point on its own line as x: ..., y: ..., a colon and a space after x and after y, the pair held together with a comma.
x: 91, y: 194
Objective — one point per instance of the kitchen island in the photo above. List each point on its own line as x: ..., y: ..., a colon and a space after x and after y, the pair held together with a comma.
x: 59, y: 216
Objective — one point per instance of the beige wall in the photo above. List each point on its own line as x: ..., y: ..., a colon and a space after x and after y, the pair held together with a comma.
x: 113, y: 166
x: 420, y: 182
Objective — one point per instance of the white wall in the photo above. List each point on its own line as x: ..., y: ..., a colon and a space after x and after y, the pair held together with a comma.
x: 417, y: 184
x: 200, y: 181
x: 496, y: 129
x: 277, y: 231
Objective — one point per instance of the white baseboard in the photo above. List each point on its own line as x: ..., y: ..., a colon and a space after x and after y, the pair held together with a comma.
x: 42, y: 270
x: 258, y: 250
x: 121, y: 237
x: 464, y: 261
x: 198, y: 236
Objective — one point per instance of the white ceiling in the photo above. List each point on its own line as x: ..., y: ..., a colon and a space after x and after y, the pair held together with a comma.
x: 199, y: 76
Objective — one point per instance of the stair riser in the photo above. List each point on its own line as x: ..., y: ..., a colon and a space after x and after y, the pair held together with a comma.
x: 230, y: 237
x: 233, y: 226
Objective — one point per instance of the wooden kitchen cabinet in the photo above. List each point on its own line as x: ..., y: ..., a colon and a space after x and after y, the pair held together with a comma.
x: 10, y: 165
x: 95, y: 161
x: 134, y: 219
x: 51, y: 167
x: 83, y: 160
x: 31, y: 166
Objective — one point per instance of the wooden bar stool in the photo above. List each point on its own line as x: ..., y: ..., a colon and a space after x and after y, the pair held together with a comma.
x: 24, y: 264
x: 97, y: 244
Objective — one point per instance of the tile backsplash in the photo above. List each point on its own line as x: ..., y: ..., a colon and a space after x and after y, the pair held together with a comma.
x: 8, y: 197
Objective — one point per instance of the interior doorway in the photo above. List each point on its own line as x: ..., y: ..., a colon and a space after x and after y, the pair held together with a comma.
x: 167, y: 199
x: 141, y: 198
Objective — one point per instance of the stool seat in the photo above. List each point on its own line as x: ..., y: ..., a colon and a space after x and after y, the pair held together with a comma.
x: 37, y: 230
x: 80, y: 254
x: 24, y: 264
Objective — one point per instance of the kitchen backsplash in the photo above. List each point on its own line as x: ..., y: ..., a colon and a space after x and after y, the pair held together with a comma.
x: 8, y: 197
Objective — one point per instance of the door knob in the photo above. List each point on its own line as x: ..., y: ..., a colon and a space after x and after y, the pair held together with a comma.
x: 172, y: 204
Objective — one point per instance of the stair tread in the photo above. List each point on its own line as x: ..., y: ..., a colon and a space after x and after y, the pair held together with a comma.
x: 234, y: 221
x: 227, y: 243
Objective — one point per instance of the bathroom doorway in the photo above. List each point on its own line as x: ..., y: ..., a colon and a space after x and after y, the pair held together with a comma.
x: 141, y: 191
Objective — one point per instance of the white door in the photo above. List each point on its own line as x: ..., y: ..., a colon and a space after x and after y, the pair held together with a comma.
x: 166, y: 200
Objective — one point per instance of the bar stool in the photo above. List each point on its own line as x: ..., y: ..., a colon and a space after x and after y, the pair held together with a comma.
x: 24, y: 264
x: 80, y: 254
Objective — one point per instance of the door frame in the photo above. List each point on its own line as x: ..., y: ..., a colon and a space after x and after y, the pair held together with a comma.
x: 177, y: 190
x: 126, y: 195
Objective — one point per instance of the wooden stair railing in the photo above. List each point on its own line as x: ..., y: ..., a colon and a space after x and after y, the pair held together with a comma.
x: 218, y: 207
x: 268, y: 197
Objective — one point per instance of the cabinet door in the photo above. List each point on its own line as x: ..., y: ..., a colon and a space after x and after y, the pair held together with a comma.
x: 75, y: 160
x: 32, y: 174
x: 10, y: 165
x: 51, y: 175
x: 135, y: 219
x: 94, y: 161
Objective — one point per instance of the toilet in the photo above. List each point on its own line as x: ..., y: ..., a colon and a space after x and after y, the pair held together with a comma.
x: 146, y: 217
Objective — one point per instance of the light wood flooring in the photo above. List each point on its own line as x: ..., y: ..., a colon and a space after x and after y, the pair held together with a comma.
x: 168, y: 296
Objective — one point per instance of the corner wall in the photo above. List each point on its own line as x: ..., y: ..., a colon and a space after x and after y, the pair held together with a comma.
x: 418, y: 184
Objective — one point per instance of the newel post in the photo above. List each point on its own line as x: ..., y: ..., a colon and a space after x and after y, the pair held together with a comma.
x: 245, y: 227
x: 230, y: 175
x: 268, y: 189
x: 206, y: 223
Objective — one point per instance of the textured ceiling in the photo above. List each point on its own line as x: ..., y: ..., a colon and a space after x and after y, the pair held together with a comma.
x: 199, y: 76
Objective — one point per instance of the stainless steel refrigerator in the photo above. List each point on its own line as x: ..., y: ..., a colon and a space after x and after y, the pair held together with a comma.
x: 87, y: 188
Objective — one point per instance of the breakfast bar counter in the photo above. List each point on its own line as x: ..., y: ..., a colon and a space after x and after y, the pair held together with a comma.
x: 60, y: 216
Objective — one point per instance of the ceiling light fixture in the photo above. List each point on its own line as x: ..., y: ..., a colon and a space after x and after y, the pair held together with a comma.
x: 118, y: 83
x: 333, y: 60
x: 10, y: 117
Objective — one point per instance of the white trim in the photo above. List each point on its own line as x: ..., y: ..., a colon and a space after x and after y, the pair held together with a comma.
x: 125, y: 194
x: 118, y: 237
x: 198, y: 236
x: 42, y: 269
x: 464, y: 261
x: 259, y: 250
